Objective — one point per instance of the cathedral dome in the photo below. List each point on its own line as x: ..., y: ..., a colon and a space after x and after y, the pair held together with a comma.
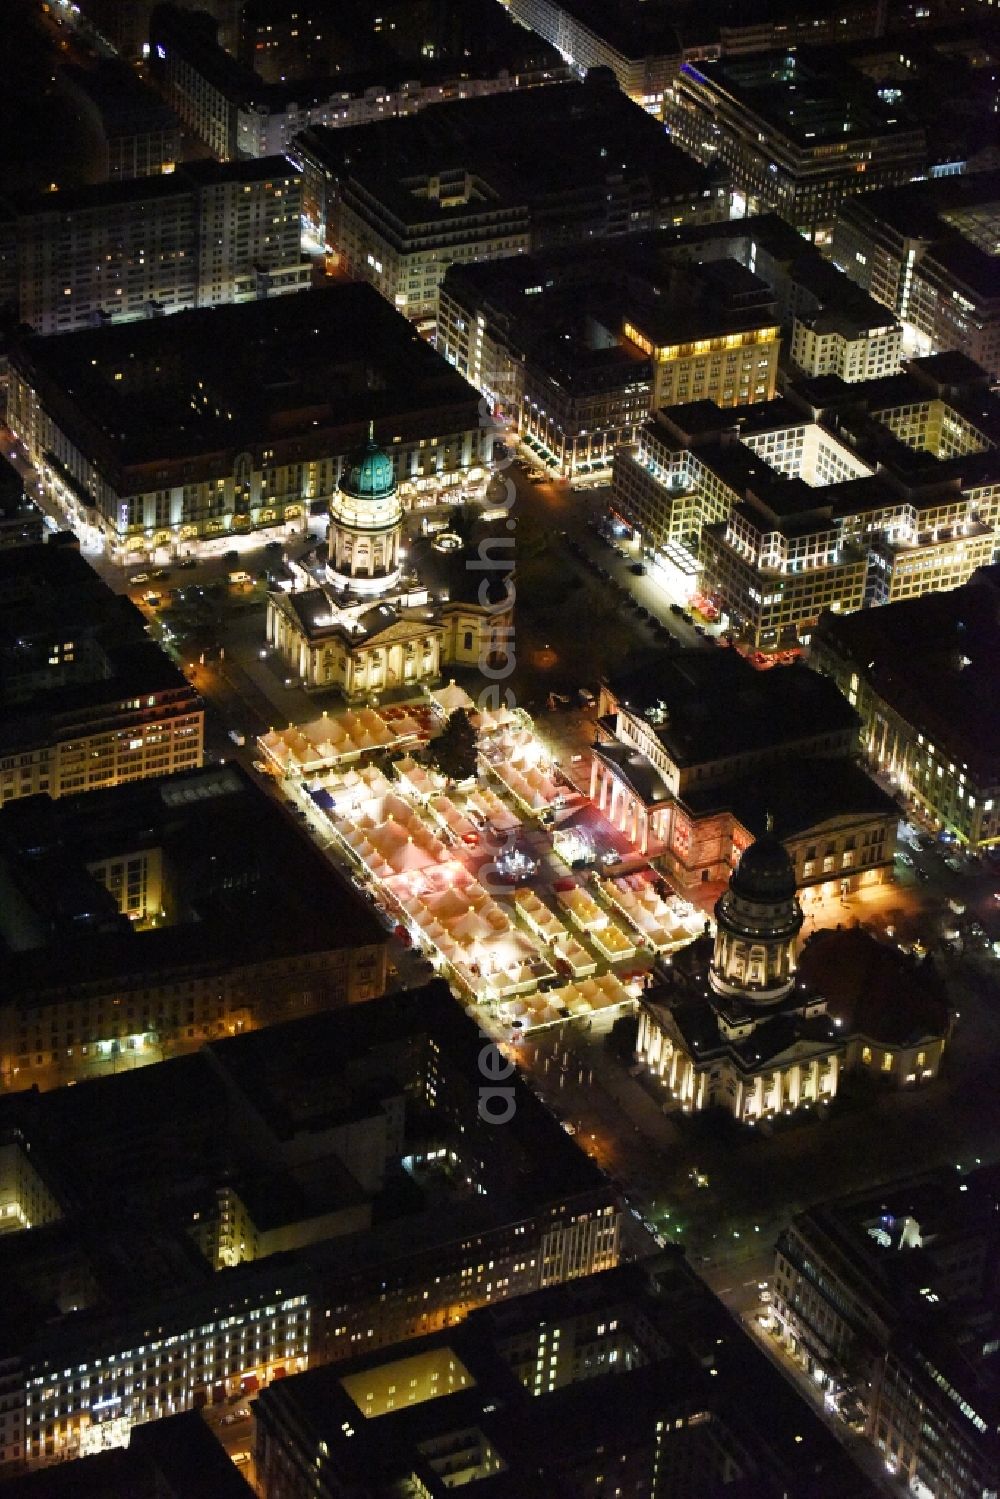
x: 368, y: 473
x: 765, y: 872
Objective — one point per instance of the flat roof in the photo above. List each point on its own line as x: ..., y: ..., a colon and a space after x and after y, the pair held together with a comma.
x: 300, y: 372
x: 233, y: 904
x: 126, y: 103
x: 916, y: 209
x: 692, y: 1357
x: 965, y: 264
x: 711, y: 705
x: 813, y: 98
x: 51, y: 594
x: 468, y: 38
x: 593, y: 135
x: 795, y: 796
x: 874, y: 989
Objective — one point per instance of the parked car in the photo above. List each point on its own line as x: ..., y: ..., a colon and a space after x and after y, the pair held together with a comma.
x: 639, y: 568
x: 138, y: 578
x: 188, y: 562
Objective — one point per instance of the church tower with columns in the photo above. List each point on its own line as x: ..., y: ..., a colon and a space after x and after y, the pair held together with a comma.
x: 366, y: 524
x: 758, y: 921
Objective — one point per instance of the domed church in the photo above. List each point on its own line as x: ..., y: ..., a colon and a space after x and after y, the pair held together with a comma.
x: 368, y: 629
x: 742, y: 1032
x: 738, y: 1027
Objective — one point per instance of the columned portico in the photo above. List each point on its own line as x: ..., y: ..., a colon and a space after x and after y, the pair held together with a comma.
x: 630, y: 795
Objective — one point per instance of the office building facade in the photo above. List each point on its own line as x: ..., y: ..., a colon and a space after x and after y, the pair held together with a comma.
x: 156, y: 436
x: 876, y: 1296
x: 839, y: 496
x: 797, y: 133
x: 927, y: 252
x: 919, y: 674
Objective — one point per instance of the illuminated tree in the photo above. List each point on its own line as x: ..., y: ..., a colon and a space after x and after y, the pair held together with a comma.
x: 454, y: 750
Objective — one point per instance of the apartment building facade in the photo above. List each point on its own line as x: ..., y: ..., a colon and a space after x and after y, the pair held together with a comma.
x: 197, y: 237
x: 403, y: 235
x: 88, y: 700
x: 919, y: 675
x: 238, y: 115
x: 194, y: 1328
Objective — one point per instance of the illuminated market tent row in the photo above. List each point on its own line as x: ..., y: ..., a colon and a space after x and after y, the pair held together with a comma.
x: 450, y: 698
x: 309, y: 748
x: 664, y: 924
x: 589, y: 996
x: 444, y: 904
x: 417, y: 780
x: 435, y: 895
x: 420, y: 841
x: 521, y: 764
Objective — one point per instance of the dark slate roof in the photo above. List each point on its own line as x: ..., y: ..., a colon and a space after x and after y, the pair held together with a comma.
x: 798, y: 795
x: 874, y: 989
x: 718, y: 706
